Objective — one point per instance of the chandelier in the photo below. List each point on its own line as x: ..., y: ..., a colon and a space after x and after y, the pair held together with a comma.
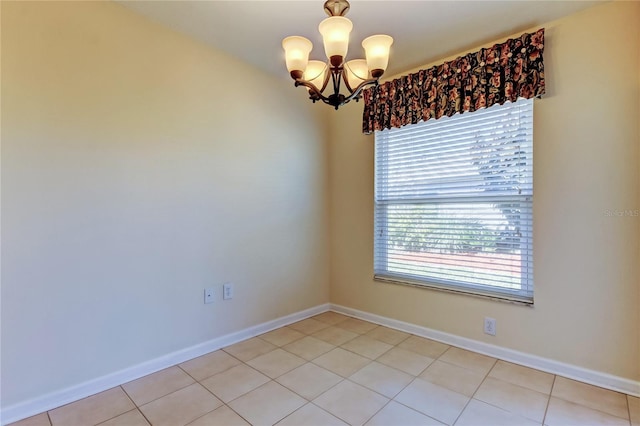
x: 356, y: 74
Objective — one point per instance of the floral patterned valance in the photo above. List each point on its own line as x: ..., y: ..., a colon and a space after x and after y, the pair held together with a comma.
x: 504, y: 72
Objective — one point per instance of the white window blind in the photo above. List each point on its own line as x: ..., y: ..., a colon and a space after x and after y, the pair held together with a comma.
x: 453, y: 202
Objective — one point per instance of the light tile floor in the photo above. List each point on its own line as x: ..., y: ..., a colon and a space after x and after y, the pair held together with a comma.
x: 335, y: 370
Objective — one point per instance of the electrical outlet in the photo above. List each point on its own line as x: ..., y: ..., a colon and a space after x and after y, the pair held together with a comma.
x: 227, y: 291
x: 208, y: 295
x: 490, y: 326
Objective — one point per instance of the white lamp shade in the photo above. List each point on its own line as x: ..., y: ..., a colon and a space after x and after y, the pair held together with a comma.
x: 377, y: 49
x: 296, y: 51
x: 315, y: 73
x: 335, y: 32
x: 357, y: 72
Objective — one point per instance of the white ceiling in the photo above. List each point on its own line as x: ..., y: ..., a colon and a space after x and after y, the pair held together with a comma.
x: 423, y: 31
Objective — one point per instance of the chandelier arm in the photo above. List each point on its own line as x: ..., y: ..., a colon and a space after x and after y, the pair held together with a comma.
x: 316, y: 94
x: 326, y: 78
x: 336, y: 79
x: 346, y: 81
x: 356, y: 93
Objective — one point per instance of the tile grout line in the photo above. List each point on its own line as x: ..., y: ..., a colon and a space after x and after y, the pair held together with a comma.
x: 471, y: 398
x: 546, y: 410
x: 303, y: 397
x: 288, y: 343
x: 322, y: 393
x: 187, y: 373
x: 345, y: 342
x: 388, y: 366
x: 594, y: 408
x: 381, y: 408
x: 161, y: 396
x: 214, y: 395
x: 488, y: 375
x: 411, y: 408
x: 288, y: 415
x: 331, y: 414
x: 144, y: 416
x: 518, y: 385
x: 239, y: 415
x: 134, y: 405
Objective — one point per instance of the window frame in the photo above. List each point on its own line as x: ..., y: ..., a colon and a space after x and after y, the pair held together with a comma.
x: 525, y: 295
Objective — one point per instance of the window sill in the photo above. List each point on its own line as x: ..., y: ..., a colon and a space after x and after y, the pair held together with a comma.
x: 468, y: 292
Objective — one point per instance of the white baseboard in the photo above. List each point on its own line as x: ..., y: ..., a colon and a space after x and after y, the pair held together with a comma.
x: 52, y: 400
x: 581, y: 374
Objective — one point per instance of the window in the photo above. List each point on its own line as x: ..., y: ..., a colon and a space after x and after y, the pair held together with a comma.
x: 453, y: 203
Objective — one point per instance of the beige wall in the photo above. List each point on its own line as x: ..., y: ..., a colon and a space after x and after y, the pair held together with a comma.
x: 586, y: 161
x: 138, y: 168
